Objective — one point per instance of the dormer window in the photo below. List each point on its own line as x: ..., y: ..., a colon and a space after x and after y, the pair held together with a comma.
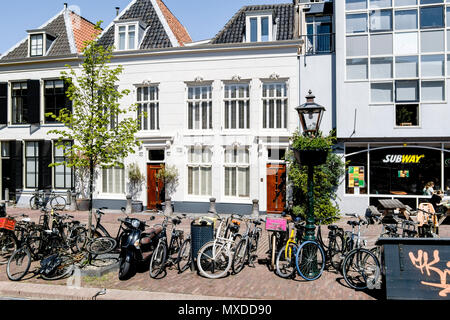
x: 40, y: 42
x: 259, y: 27
x: 129, y: 35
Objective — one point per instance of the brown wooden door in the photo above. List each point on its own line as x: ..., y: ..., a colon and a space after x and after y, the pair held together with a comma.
x: 155, y: 188
x: 276, y: 188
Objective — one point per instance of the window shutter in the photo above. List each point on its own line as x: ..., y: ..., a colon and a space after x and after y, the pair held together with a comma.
x: 45, y: 159
x: 3, y: 103
x: 34, y: 101
x: 17, y: 163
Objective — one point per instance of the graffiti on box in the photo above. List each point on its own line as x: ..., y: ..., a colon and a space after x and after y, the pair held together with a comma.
x: 427, y: 266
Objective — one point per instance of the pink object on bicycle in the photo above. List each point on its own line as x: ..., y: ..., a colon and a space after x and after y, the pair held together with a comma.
x: 276, y: 224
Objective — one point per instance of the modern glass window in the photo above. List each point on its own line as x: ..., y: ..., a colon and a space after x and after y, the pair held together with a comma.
x: 432, y: 17
x: 406, y: 19
x: 357, y: 46
x: 55, y: 98
x: 432, y: 66
x: 381, y: 68
x: 356, y: 170
x: 32, y: 164
x: 63, y: 174
x: 432, y: 91
x: 127, y: 36
x: 275, y: 105
x: 237, y: 106
x: 356, y: 23
x: 113, y: 180
x: 355, y: 4
x: 407, y: 115
x: 357, y: 69
x: 407, y: 67
x: 400, y: 3
x: 380, y: 20
x: 37, y: 45
x: 381, y: 44
x: 406, y: 90
x: 199, y: 107
x: 19, y: 96
x: 432, y: 41
x: 319, y: 31
x: 237, y: 172
x: 381, y: 92
x: 148, y: 107
x: 200, y: 171
x: 380, y: 4
x: 406, y: 43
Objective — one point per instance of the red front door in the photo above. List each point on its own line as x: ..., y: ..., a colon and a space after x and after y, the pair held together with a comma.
x: 276, y: 188
x: 155, y: 187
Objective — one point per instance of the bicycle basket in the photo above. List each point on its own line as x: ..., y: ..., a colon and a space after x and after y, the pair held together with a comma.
x: 276, y: 224
x: 7, y: 223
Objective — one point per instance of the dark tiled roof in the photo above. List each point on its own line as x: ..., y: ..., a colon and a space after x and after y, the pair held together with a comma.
x: 155, y: 35
x: 234, y: 30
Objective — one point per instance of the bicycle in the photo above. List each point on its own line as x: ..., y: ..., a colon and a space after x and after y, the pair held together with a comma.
x: 245, y: 252
x: 184, y: 259
x: 214, y: 258
x: 42, y: 198
x: 277, y: 236
x: 162, y: 256
x: 335, y: 248
x: 285, y: 263
x: 361, y: 267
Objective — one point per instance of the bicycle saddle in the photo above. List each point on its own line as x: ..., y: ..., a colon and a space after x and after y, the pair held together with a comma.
x: 333, y: 227
x: 353, y: 223
x: 176, y: 221
x: 150, y: 234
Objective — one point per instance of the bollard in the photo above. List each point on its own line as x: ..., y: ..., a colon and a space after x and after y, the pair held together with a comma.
x: 7, y: 196
x: 73, y: 202
x: 168, y: 207
x: 69, y: 197
x: 129, y: 208
x: 212, y: 205
x: 255, y: 208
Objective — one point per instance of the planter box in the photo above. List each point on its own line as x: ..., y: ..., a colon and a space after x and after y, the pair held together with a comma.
x: 310, y: 157
x: 137, y: 207
x: 416, y: 269
x: 83, y: 204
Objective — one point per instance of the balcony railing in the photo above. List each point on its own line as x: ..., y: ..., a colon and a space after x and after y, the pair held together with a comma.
x: 322, y: 43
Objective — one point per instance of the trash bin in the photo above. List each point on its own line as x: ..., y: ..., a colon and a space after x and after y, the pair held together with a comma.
x: 201, y: 233
x: 416, y: 269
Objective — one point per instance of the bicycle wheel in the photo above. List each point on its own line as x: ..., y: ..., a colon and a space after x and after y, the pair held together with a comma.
x: 101, y: 245
x: 286, y: 261
x: 214, y: 260
x: 361, y: 269
x: 158, y: 261
x: 273, y: 251
x: 310, y: 260
x: 34, y: 203
x: 58, y: 203
x: 18, y: 264
x: 8, y: 244
x: 63, y: 270
x: 184, y: 258
x: 335, y: 251
x: 239, y: 256
x: 78, y: 238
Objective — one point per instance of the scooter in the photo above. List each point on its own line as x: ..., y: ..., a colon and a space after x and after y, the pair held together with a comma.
x: 136, y: 245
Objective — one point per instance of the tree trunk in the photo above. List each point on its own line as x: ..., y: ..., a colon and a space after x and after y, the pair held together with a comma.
x: 91, y: 183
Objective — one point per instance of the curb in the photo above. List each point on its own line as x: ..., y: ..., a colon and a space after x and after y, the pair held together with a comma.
x: 58, y: 292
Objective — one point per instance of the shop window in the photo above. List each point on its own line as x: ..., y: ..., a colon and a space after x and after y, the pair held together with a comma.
x: 407, y: 115
x: 403, y: 171
x: 356, y: 170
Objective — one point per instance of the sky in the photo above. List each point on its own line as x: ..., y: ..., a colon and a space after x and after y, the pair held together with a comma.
x: 202, y: 18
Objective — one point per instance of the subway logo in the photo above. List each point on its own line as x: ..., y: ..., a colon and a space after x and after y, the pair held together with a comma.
x: 406, y: 158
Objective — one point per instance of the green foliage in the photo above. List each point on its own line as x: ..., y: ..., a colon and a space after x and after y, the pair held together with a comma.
x: 326, y: 178
x: 99, y: 139
x: 169, y: 175
x: 136, y: 178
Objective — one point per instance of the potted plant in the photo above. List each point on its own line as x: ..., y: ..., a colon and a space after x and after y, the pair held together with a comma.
x: 169, y: 175
x: 82, y: 188
x: 136, y: 179
x: 311, y: 149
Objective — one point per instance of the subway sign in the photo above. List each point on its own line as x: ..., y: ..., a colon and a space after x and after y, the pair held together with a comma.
x: 403, y: 158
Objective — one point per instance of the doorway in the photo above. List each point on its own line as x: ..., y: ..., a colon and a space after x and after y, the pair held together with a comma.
x: 155, y: 187
x: 276, y: 188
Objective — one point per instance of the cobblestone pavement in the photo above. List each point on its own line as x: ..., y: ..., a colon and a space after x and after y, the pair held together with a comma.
x: 251, y: 283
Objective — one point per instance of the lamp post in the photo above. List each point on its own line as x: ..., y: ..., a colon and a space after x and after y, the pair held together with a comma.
x: 310, y: 115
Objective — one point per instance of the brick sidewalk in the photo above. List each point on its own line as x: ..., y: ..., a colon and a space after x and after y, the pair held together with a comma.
x: 251, y: 283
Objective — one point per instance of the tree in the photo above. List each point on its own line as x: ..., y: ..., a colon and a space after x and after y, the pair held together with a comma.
x: 169, y: 175
x: 99, y: 138
x: 327, y: 178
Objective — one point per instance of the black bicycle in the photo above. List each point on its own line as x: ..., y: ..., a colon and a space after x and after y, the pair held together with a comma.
x: 245, y: 252
x: 167, y: 254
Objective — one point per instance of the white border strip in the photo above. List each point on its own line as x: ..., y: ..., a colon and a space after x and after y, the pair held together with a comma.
x: 165, y: 24
x: 69, y: 30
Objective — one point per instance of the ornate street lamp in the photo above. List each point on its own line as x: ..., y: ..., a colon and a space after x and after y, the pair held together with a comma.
x: 310, y: 115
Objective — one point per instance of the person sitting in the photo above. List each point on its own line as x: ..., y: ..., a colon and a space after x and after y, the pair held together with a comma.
x: 428, y: 189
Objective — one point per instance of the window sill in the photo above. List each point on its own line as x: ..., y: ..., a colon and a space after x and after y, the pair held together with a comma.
x: 111, y: 196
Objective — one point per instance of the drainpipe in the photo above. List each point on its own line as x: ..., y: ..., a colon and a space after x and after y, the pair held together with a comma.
x: 296, y: 19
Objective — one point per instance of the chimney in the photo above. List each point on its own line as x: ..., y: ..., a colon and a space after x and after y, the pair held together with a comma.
x: 65, y: 6
x: 117, y: 11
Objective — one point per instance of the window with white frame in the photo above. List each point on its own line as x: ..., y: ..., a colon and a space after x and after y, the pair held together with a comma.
x: 63, y: 174
x: 199, y: 107
x: 237, y: 172
x: 113, y: 180
x: 36, y: 45
x: 128, y: 35
x: 148, y: 107
x: 32, y: 164
x: 237, y: 106
x: 199, y: 171
x: 275, y: 105
x: 259, y: 27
